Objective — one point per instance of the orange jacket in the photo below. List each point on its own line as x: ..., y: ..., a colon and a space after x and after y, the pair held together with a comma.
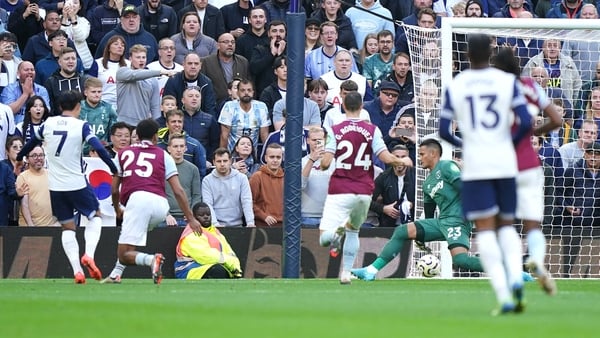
x: 267, y: 195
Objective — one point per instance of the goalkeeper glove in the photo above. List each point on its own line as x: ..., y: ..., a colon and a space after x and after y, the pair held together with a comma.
x: 422, y: 246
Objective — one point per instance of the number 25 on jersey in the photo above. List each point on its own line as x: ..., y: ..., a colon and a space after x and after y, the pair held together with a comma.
x: 144, y: 166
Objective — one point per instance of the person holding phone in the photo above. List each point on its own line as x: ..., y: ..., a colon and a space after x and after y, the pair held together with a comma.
x: 241, y: 165
x: 383, y: 109
x: 315, y: 181
x: 404, y: 128
x: 25, y: 21
x: 403, y: 131
x: 77, y: 27
x: 10, y: 62
x: 244, y: 156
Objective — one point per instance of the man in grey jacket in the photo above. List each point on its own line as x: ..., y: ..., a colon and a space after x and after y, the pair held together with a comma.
x: 227, y: 192
x: 138, y: 93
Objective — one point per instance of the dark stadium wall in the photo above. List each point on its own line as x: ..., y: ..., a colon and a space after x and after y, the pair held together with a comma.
x: 38, y: 253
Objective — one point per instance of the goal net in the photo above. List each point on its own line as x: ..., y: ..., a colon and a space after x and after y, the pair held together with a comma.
x: 437, y: 55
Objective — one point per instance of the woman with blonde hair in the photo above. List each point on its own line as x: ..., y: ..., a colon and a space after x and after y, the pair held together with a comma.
x: 370, y: 46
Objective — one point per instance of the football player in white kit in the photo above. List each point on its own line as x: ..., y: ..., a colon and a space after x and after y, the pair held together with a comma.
x: 530, y: 180
x: 64, y: 136
x: 485, y: 102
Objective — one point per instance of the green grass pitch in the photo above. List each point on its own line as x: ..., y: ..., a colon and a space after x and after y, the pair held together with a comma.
x: 290, y: 308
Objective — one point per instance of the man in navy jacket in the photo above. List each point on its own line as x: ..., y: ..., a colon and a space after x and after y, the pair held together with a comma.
x: 191, y: 76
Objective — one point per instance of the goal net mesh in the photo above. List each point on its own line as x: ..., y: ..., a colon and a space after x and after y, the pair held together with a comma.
x: 573, y: 243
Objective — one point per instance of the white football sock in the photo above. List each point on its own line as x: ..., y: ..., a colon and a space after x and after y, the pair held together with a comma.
x: 117, y: 270
x: 326, y: 237
x: 491, y: 259
x: 536, y: 243
x: 71, y: 248
x: 512, y: 253
x: 351, y: 245
x: 143, y: 259
x: 372, y: 269
x: 93, y: 230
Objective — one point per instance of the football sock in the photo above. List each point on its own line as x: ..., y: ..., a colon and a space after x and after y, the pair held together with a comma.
x: 465, y: 261
x: 392, y: 247
x: 512, y: 252
x: 117, y: 270
x: 326, y: 237
x: 143, y: 259
x: 351, y: 245
x: 92, y: 233
x: 372, y: 269
x: 71, y: 248
x: 536, y: 243
x: 491, y: 259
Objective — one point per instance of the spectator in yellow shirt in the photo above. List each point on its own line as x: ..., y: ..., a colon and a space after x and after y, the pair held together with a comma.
x: 208, y: 255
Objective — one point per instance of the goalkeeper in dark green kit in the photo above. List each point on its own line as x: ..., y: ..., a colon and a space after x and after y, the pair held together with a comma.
x: 442, y: 189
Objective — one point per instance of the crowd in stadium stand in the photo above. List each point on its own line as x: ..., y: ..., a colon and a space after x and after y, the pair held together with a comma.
x: 214, y: 75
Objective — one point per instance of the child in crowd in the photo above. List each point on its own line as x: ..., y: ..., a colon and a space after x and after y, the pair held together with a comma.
x: 565, y: 133
x: 168, y: 102
x: 98, y: 113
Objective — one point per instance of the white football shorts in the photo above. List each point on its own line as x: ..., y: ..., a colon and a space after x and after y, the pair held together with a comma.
x: 530, y: 194
x: 144, y: 210
x: 340, y: 209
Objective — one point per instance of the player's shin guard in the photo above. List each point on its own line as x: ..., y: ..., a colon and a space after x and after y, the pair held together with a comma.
x: 467, y: 262
x: 512, y: 252
x: 536, y: 243
x: 92, y: 233
x: 351, y: 246
x: 71, y: 248
x: 491, y: 259
x: 392, y: 247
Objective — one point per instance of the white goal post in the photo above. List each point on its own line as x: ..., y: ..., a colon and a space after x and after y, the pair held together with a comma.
x: 573, y: 250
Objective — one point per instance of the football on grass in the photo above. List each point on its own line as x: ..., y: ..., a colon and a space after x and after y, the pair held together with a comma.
x: 429, y: 265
